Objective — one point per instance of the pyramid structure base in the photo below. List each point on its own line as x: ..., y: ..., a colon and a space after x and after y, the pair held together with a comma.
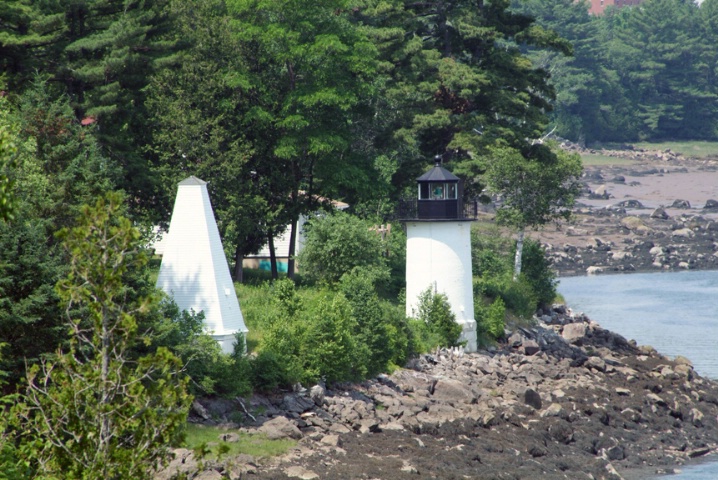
x: 227, y: 342
x: 468, y: 335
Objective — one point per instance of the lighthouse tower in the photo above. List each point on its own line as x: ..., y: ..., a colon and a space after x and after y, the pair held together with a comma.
x: 438, y: 248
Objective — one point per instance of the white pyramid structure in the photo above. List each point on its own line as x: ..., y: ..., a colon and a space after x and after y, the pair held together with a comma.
x: 194, y: 270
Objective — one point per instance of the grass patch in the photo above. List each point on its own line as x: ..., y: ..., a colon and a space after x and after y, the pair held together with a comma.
x: 596, y: 159
x: 257, y: 445
x: 697, y: 149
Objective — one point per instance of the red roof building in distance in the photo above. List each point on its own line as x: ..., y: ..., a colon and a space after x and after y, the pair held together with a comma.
x: 598, y: 6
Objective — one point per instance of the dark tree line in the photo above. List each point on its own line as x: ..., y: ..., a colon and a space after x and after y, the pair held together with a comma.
x: 278, y: 104
x: 645, y: 72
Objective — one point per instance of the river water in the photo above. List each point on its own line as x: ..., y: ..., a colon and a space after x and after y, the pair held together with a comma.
x: 676, y: 313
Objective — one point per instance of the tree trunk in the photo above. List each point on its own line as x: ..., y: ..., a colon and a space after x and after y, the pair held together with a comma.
x: 519, y: 251
x: 292, y: 249
x: 272, y: 255
x: 238, y: 267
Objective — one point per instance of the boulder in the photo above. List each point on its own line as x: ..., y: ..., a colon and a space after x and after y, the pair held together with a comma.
x: 573, y: 331
x: 280, y: 427
x: 453, y: 391
x: 660, y: 214
x: 711, y: 204
x: 317, y: 394
x: 301, y: 473
x: 635, y: 225
x: 209, y: 475
x: 530, y: 347
x: 532, y: 398
x: 683, y: 233
x: 594, y: 270
x: 683, y: 204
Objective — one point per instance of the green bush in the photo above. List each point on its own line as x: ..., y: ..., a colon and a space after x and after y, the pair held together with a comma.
x: 493, y: 256
x: 536, y: 269
x: 338, y: 243
x: 435, y: 311
x: 490, y: 319
x: 211, y: 371
x: 518, y: 296
x: 269, y: 372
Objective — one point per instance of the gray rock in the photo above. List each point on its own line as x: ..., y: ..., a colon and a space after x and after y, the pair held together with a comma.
x: 280, y: 427
x: 683, y: 233
x: 209, y: 475
x: 296, y: 403
x: 615, y: 453
x: 553, y: 410
x: 453, y: 392
x: 660, y: 213
x: 595, y: 363
x: 199, y: 409
x: 532, y: 398
x: 530, y: 347
x: 301, y: 473
x: 573, y: 331
x: 711, y: 204
x: 331, y: 440
x: 684, y: 204
x: 317, y: 394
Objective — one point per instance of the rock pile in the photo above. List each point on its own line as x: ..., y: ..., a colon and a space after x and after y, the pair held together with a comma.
x: 561, y: 399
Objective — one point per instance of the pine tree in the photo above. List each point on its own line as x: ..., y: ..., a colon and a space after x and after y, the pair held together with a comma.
x: 93, y: 412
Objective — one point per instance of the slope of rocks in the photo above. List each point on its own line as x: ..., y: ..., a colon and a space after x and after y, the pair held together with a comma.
x: 561, y: 399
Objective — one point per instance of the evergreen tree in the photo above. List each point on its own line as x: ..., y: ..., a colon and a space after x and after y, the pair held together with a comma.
x: 58, y: 166
x: 657, y: 52
x: 307, y: 67
x: 460, y: 81
x: 196, y: 110
x: 94, y: 413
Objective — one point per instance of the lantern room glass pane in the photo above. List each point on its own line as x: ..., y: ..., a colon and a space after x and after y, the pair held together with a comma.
x: 424, y: 191
x: 451, y: 191
x: 437, y: 191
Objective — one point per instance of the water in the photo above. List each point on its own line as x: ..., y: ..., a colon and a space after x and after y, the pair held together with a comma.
x: 676, y: 313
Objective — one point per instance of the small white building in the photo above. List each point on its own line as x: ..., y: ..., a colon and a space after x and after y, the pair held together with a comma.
x: 261, y: 260
x: 194, y: 270
x: 438, y: 249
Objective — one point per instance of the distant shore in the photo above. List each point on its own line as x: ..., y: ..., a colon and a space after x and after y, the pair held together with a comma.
x: 658, y: 214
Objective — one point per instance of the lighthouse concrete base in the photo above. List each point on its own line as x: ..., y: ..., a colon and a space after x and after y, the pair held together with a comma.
x: 468, y: 335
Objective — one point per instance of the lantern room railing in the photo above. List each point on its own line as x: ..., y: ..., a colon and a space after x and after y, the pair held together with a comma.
x: 436, y: 210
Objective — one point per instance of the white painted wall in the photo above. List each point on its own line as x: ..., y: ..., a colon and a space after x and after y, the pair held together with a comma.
x: 194, y: 269
x: 438, y: 255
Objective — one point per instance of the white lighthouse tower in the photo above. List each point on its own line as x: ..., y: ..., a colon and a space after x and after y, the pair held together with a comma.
x: 438, y: 248
x: 194, y: 269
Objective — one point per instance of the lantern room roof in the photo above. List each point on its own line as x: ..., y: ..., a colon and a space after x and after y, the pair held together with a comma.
x: 438, y: 174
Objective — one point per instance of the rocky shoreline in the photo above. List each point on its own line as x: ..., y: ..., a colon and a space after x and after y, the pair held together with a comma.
x: 659, y: 213
x: 562, y: 399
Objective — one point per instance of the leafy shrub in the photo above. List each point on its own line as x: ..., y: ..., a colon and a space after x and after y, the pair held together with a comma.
x: 490, y: 319
x: 269, y: 372
x: 338, y: 243
x: 211, y: 371
x: 492, y: 266
x: 435, y: 311
x: 372, y: 335
x: 536, y: 269
x: 518, y: 296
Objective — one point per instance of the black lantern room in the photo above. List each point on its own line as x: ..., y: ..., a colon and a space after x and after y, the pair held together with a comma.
x: 439, y: 195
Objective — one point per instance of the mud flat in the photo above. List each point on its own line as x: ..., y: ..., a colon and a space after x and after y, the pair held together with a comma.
x: 658, y: 214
